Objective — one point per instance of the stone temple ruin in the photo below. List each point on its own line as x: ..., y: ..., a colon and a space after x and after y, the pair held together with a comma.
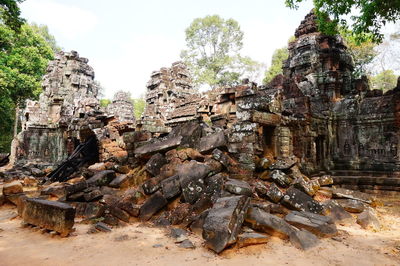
x: 280, y: 159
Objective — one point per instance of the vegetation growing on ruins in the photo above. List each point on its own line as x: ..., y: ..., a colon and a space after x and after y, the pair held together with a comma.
x: 212, y: 52
x: 371, y: 16
x: 10, y: 14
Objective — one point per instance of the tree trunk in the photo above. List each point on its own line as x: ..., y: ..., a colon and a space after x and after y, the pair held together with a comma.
x: 16, y: 119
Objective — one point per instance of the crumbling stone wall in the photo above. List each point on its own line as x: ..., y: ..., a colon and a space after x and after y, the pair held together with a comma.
x: 122, y: 108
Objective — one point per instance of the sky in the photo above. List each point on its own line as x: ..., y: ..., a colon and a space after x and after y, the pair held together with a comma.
x: 125, y: 40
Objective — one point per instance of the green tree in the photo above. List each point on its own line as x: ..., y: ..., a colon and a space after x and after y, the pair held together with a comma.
x: 104, y: 102
x: 24, y: 56
x: 370, y: 16
x: 212, y: 51
x: 363, y: 53
x: 138, y: 105
x: 10, y: 14
x: 43, y: 31
x: 278, y: 57
x: 385, y: 80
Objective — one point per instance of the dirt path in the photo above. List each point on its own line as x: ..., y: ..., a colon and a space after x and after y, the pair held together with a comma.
x: 133, y: 245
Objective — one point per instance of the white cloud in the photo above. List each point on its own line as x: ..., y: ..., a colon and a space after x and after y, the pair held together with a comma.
x: 67, y: 21
x: 130, y: 66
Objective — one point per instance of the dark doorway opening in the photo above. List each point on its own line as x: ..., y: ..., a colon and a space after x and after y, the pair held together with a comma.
x: 320, y: 150
x: 269, y: 142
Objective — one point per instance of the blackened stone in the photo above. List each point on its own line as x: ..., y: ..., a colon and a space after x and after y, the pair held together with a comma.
x: 214, y: 165
x: 350, y: 205
x: 155, y: 203
x: 191, y: 178
x: 224, y: 221
x: 368, y: 220
x: 187, y: 244
x: 120, y: 181
x: 129, y: 207
x: 190, y: 132
x: 58, y: 191
x: 238, y: 187
x: 118, y: 213
x: 197, y: 223
x: 155, y: 163
x: 283, y: 163
x: 302, y: 239
x: 352, y: 194
x: 251, y: 238
x: 212, y: 141
x: 93, y: 195
x: 274, y: 194
x: 338, y: 214
x: 151, y: 185
x: 214, y: 186
x: 178, y: 233
x: 265, y: 222
x: 223, y: 158
x: 79, y: 196
x: 281, y: 178
x: 102, y: 227
x: 309, y: 187
x: 77, y: 187
x: 171, y: 187
x: 164, y: 145
x: 51, y: 215
x: 315, y: 223
x: 110, y: 220
x: 102, y: 178
x: 300, y: 201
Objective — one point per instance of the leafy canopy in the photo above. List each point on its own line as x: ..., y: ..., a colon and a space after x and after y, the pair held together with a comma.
x: 10, y: 14
x: 367, y: 16
x: 279, y: 55
x: 212, y: 51
x: 385, y: 80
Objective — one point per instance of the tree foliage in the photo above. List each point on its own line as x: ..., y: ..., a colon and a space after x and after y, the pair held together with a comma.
x: 10, y: 14
x: 138, y: 104
x: 367, y: 16
x: 43, y: 31
x: 24, y: 56
x: 363, y: 53
x: 278, y: 57
x: 385, y: 80
x: 213, y: 52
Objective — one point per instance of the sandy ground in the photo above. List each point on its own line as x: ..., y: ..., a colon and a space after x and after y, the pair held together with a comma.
x: 134, y: 245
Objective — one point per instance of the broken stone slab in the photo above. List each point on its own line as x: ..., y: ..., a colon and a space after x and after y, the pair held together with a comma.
x: 151, y: 185
x: 283, y: 163
x: 51, y: 215
x: 325, y: 180
x: 191, y: 179
x: 171, y: 187
x: 300, y: 201
x: 273, y: 193
x: 351, y: 205
x: 338, y: 214
x: 118, y: 213
x: 120, y: 181
x: 223, y: 222
x: 77, y: 187
x: 102, y: 227
x: 303, y: 239
x: 187, y: 244
x: 155, y: 163
x: 223, y: 158
x: 102, y: 178
x: 318, y: 224
x: 130, y: 207
x: 164, y: 145
x: 251, y: 238
x: 352, y: 194
x: 93, y: 195
x: 368, y: 220
x: 214, y: 186
x: 14, y: 187
x: 310, y: 187
x: 238, y: 187
x: 262, y: 221
x: 212, y: 141
x: 152, y: 205
x: 281, y: 178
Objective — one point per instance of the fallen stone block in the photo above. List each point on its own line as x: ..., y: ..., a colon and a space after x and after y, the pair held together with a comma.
x: 120, y: 181
x: 368, y: 220
x: 171, y: 187
x: 325, y: 180
x: 338, y: 214
x: 281, y: 178
x: 102, y: 178
x: 191, y: 178
x: 283, y: 163
x: 238, y: 187
x: 58, y: 191
x: 318, y: 224
x: 129, y: 207
x: 214, y: 186
x: 300, y: 201
x: 155, y: 163
x: 223, y: 222
x: 155, y: 203
x: 302, y: 239
x: 151, y: 185
x: 51, y: 215
x: 274, y: 194
x: 251, y: 238
x: 310, y: 187
x: 161, y: 146
x: 212, y: 141
x: 77, y: 187
x: 102, y: 227
x: 93, y: 195
x: 14, y: 187
x: 262, y: 221
x: 351, y: 205
x: 223, y: 158
x: 352, y: 194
